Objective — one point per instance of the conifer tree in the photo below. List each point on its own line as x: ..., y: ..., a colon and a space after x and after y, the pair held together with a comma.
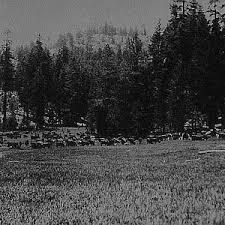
x: 157, y: 70
x: 40, y: 76
x: 22, y: 81
x: 7, y: 76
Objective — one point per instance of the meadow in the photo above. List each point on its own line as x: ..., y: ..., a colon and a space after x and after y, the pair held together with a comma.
x: 164, y: 183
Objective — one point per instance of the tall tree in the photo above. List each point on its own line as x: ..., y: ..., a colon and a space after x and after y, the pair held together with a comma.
x: 160, y: 81
x: 215, y: 78
x: 7, y: 78
x: 40, y: 75
x: 22, y: 80
x: 61, y: 82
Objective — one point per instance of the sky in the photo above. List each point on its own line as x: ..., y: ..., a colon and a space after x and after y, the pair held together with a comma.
x: 27, y: 18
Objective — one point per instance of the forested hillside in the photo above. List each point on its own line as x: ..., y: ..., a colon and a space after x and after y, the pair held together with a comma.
x: 120, y: 80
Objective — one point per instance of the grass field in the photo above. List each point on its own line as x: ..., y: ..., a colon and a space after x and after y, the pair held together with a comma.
x: 165, y: 183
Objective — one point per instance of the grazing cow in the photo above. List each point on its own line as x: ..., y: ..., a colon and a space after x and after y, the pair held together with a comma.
x: 60, y: 143
x: 13, y: 145
x: 212, y: 133
x: 185, y: 136
x: 71, y: 142
x: 47, y: 144
x: 169, y: 136
x: 152, y: 139
x: 38, y: 144
x: 162, y: 137
x: 222, y: 135
x: 112, y: 141
x: 140, y: 140
x: 131, y: 140
x: 116, y: 141
x: 198, y: 137
x: 104, y: 141
x: 176, y: 136
x: 123, y: 140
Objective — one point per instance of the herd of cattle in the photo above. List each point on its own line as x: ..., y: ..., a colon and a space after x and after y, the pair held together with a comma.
x: 47, y: 139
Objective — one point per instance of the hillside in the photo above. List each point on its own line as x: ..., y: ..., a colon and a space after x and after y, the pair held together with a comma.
x: 98, y: 37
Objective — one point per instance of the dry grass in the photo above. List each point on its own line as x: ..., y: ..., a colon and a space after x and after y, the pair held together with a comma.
x: 167, y: 183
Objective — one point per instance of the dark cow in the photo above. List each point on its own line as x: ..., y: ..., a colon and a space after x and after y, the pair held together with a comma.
x: 60, y: 143
x: 15, y: 145
x: 176, y: 136
x: 198, y: 137
x: 131, y: 140
x: 36, y: 145
x: 123, y: 140
x: 104, y: 141
x: 186, y: 136
x: 151, y: 139
x: 222, y: 135
x: 71, y: 142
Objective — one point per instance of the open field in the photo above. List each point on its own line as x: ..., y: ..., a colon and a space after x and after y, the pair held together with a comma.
x: 165, y: 183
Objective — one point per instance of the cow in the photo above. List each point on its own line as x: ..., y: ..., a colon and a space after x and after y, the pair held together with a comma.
x: 71, y: 142
x: 104, y: 141
x: 152, y: 139
x: 131, y: 140
x: 176, y: 136
x: 198, y: 137
x: 60, y: 143
x: 186, y: 136
x: 222, y: 135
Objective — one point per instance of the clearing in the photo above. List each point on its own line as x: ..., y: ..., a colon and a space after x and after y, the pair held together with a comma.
x: 173, y: 182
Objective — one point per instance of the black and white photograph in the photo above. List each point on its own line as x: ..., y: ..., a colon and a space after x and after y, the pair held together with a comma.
x: 112, y: 112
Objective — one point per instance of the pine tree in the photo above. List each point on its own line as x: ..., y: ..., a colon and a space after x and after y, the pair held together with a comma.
x: 178, y: 52
x: 40, y: 80
x: 7, y: 78
x: 155, y: 50
x: 22, y: 81
x: 62, y: 83
x: 133, y: 52
x: 215, y: 72
x: 199, y: 33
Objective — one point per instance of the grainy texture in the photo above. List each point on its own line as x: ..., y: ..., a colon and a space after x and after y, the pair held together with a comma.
x: 166, y: 183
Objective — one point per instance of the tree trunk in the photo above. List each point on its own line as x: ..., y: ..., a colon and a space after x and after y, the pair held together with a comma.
x: 223, y: 116
x: 4, y: 110
x: 27, y: 115
x: 212, y: 113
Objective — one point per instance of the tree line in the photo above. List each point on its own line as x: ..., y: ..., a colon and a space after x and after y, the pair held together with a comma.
x: 131, y: 90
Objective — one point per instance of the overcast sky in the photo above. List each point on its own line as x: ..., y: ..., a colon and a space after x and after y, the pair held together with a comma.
x: 27, y: 18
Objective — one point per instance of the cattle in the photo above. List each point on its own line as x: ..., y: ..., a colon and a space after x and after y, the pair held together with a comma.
x: 89, y: 140
x: 198, y: 137
x: 112, y: 141
x: 60, y: 143
x: 185, y: 136
x: 36, y: 145
x: 15, y: 145
x: 47, y: 144
x: 83, y: 142
x: 163, y: 137
x: 131, y: 140
x: 151, y: 139
x: 33, y: 137
x: 123, y: 140
x: 47, y: 138
x: 140, y: 140
x: 176, y: 136
x: 71, y: 142
x: 212, y: 133
x: 169, y: 136
x: 104, y: 141
x: 222, y: 135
